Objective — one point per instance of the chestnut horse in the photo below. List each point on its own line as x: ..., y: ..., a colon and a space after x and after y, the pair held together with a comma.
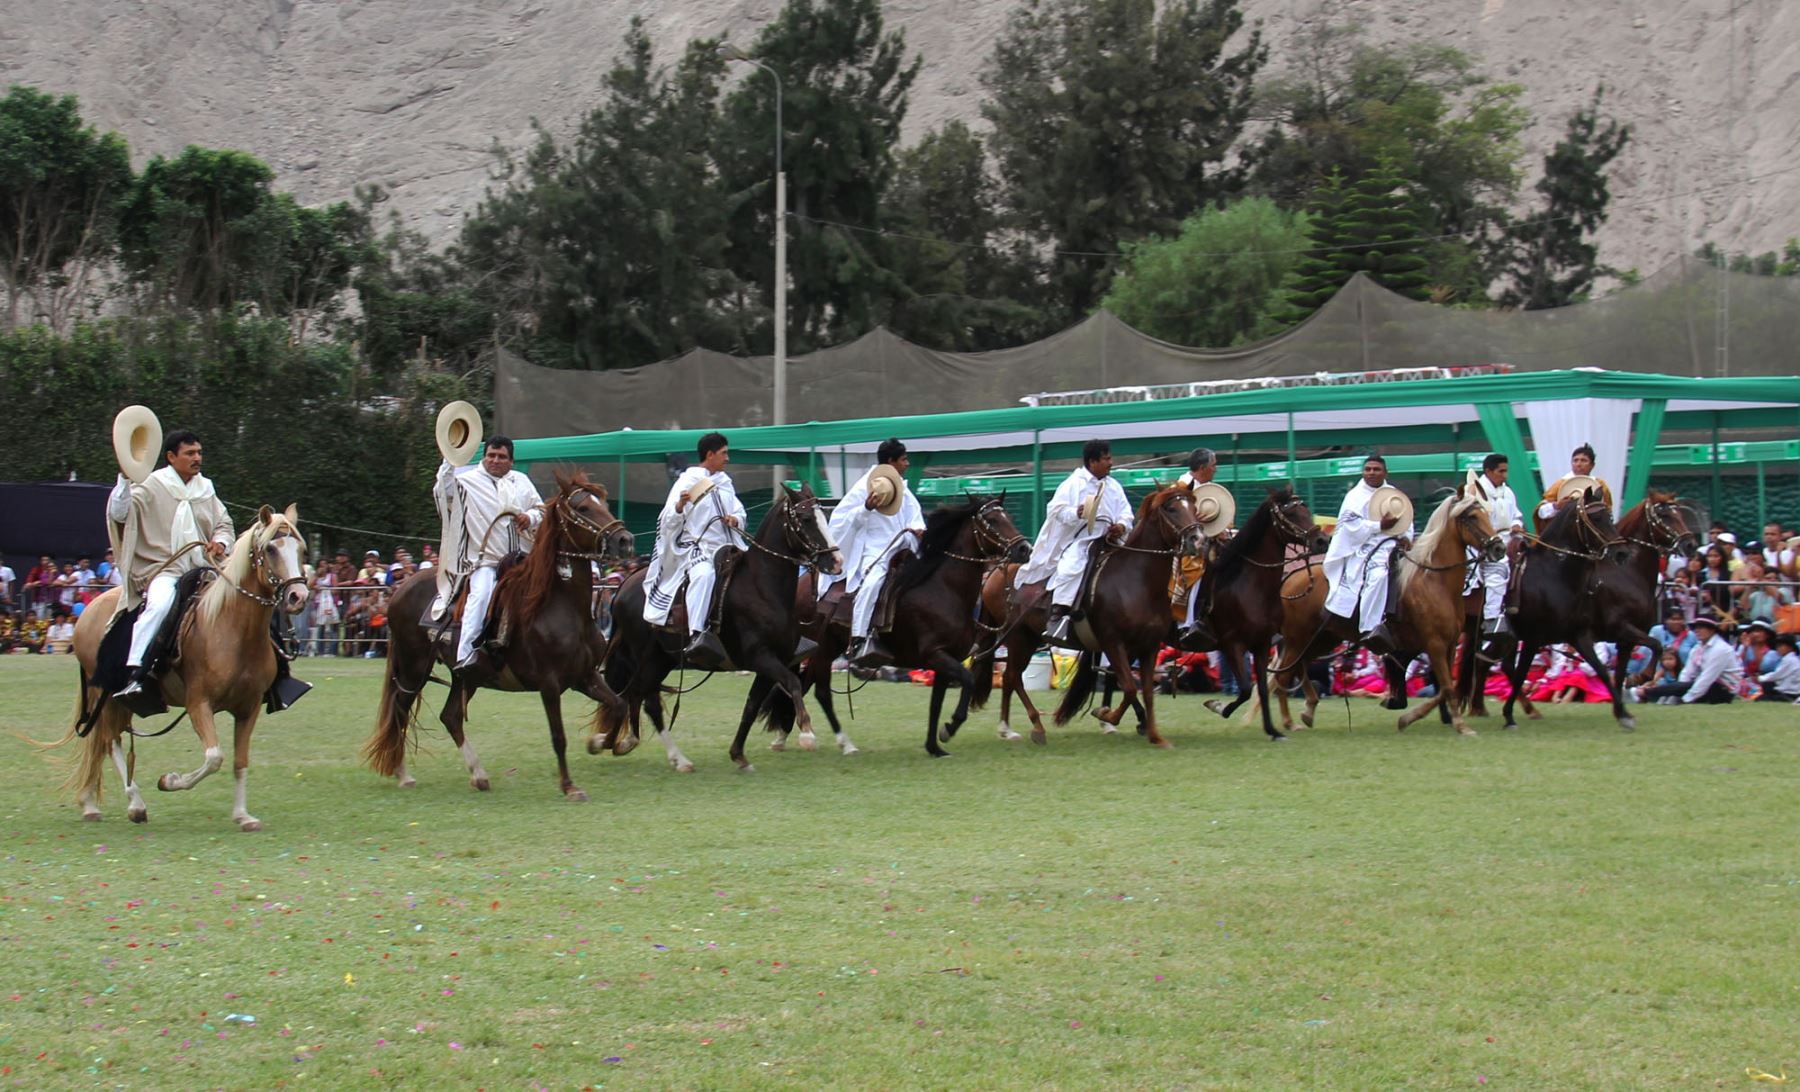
x: 1429, y: 618
x: 1127, y: 618
x: 757, y: 625
x: 934, y: 628
x: 224, y: 664
x: 548, y: 602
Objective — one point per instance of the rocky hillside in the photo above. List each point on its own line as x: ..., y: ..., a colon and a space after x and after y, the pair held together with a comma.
x: 412, y: 93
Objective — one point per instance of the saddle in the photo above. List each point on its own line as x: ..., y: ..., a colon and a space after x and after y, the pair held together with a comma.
x: 1098, y: 551
x: 110, y: 672
x: 445, y: 631
x: 725, y: 562
x: 837, y: 605
x: 1184, y: 573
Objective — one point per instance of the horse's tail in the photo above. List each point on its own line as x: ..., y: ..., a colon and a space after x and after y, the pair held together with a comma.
x: 1081, y: 688
x: 618, y: 672
x: 778, y: 711
x: 385, y: 749
x: 982, y: 668
x: 87, y: 768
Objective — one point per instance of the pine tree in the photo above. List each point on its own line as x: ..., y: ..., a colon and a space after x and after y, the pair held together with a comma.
x: 1553, y: 261
x: 1369, y: 226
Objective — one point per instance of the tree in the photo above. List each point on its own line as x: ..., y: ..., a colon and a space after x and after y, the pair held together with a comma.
x: 202, y: 231
x: 1455, y: 136
x: 1767, y: 264
x: 845, y: 83
x: 1368, y: 226
x: 1219, y: 282
x: 1112, y: 123
x: 60, y: 187
x: 1553, y: 262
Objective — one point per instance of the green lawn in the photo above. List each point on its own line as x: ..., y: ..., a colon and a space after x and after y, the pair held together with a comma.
x: 1566, y: 906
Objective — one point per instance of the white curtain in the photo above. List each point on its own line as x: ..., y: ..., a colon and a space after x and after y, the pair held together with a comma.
x: 1558, y: 428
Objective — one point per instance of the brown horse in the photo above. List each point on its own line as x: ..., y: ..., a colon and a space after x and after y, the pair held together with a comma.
x: 1430, y: 615
x: 757, y: 625
x: 935, y: 594
x: 1246, y: 576
x: 1127, y: 618
x: 225, y: 663
x: 547, y: 600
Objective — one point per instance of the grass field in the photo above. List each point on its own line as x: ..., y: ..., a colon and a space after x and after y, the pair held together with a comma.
x: 1566, y: 906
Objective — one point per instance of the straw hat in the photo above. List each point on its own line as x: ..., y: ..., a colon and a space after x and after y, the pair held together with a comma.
x: 458, y: 433
x: 1215, y: 506
x: 1389, y: 501
x: 888, y: 488
x: 137, y: 441
x: 1575, y: 486
x: 700, y: 489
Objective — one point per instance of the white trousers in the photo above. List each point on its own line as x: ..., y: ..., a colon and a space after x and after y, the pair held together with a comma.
x: 1194, y: 599
x: 1065, y: 582
x: 1495, y: 575
x: 475, y: 610
x: 158, y: 598
x: 1365, y: 580
x: 701, y: 577
x: 862, y: 612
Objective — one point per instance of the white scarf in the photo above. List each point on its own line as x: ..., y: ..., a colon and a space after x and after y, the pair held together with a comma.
x: 186, y: 530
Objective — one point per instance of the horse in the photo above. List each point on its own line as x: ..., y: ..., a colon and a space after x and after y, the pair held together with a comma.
x: 547, y: 600
x: 757, y: 625
x: 1246, y: 578
x: 1429, y: 618
x: 935, y: 595
x: 224, y: 663
x: 1127, y: 618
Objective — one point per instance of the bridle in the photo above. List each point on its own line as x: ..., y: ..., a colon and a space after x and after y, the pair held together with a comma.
x: 1291, y: 532
x: 1186, y: 545
x: 565, y: 510
x: 1665, y: 535
x: 991, y: 543
x: 1584, y: 524
x: 259, y: 566
x: 795, y: 517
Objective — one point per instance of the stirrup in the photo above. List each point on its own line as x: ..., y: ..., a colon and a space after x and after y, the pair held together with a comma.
x: 1380, y: 640
x: 806, y: 647
x: 1192, y: 635
x: 870, y: 653
x: 705, y: 651
x: 1057, y: 631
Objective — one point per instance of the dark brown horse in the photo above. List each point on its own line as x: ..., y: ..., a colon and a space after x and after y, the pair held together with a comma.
x: 757, y: 625
x: 1246, y: 578
x: 1127, y: 619
x: 935, y: 595
x: 548, y: 600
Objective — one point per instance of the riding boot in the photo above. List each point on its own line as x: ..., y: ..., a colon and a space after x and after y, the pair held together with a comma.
x: 142, y: 695
x: 870, y: 652
x: 1056, y: 632
x: 1380, y: 640
x: 706, y: 651
x: 806, y: 647
x: 1196, y: 636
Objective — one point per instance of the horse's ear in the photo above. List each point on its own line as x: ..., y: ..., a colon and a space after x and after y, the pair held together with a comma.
x: 293, y: 514
x: 1002, y: 496
x: 264, y: 515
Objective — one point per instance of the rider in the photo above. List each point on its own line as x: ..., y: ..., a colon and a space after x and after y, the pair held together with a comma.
x: 155, y: 526
x: 701, y: 514
x: 1581, y: 463
x: 869, y: 538
x: 1090, y: 504
x: 1203, y: 465
x: 489, y: 511
x: 1356, y: 565
x: 1503, y: 512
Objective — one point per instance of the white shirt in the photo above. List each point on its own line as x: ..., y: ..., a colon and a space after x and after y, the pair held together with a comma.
x: 1712, y: 661
x: 865, y: 535
x: 1354, y: 527
x: 1786, y: 676
x: 697, y: 528
x: 1503, y: 509
x: 1064, y: 526
x: 7, y: 576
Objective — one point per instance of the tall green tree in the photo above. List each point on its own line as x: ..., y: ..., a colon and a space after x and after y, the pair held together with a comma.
x: 1554, y: 261
x: 61, y: 183
x: 202, y: 231
x: 1372, y: 226
x: 1770, y: 263
x: 845, y: 82
x: 1220, y: 282
x: 1112, y: 123
x: 1345, y: 103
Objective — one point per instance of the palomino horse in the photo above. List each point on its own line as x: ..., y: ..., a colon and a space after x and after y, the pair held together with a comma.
x: 1246, y: 580
x: 548, y: 601
x: 934, y: 611
x: 1586, y: 580
x: 757, y: 625
x: 1430, y: 615
x: 1127, y: 617
x: 224, y: 664
x: 1652, y: 529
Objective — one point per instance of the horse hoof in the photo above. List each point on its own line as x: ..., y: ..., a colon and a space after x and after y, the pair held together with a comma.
x: 1007, y: 734
x: 684, y: 767
x: 1108, y: 729
x: 939, y: 753
x: 1510, y: 726
x: 480, y: 784
x: 138, y: 815
x: 166, y: 783
x: 408, y: 783
x: 1279, y: 738
x: 1305, y: 719
x: 595, y: 744
x: 1466, y: 732
x: 1534, y: 715
x: 1100, y: 713
x: 1215, y: 705
x: 1038, y: 737
x: 249, y: 824
x: 849, y: 748
x: 90, y: 817
x: 1164, y: 744
x: 1479, y: 713
x: 625, y: 746
x: 779, y: 743
x: 575, y: 796
x: 1628, y: 724
x: 808, y: 741
x: 745, y: 767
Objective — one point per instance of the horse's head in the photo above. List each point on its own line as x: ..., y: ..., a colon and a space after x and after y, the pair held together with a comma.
x: 997, y: 538
x: 589, y: 521
x: 804, y: 530
x: 1669, y: 532
x: 1293, y: 523
x: 1474, y: 529
x: 278, y: 558
x: 1169, y: 513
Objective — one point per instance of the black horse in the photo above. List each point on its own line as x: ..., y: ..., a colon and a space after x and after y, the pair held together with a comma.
x: 1245, y: 577
x: 936, y: 594
x: 757, y: 625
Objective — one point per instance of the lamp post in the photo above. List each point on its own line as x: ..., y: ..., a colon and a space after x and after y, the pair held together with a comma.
x: 730, y: 52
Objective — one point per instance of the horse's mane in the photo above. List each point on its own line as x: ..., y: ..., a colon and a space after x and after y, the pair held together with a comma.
x: 528, y: 583
x: 1435, y: 528
x: 1153, y: 499
x: 941, y: 528
x: 1558, y: 530
x: 238, y: 567
x: 1634, y: 521
x: 1255, y: 529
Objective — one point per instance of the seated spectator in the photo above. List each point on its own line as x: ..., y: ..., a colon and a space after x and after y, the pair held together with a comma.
x: 1754, y: 651
x: 61, y: 636
x: 1711, y: 675
x: 9, y: 633
x: 1674, y: 633
x: 1782, y: 683
x: 1571, y: 679
x: 32, y: 634
x: 1667, y: 671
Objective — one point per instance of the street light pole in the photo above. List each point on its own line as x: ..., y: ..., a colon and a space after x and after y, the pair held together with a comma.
x: 732, y: 53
